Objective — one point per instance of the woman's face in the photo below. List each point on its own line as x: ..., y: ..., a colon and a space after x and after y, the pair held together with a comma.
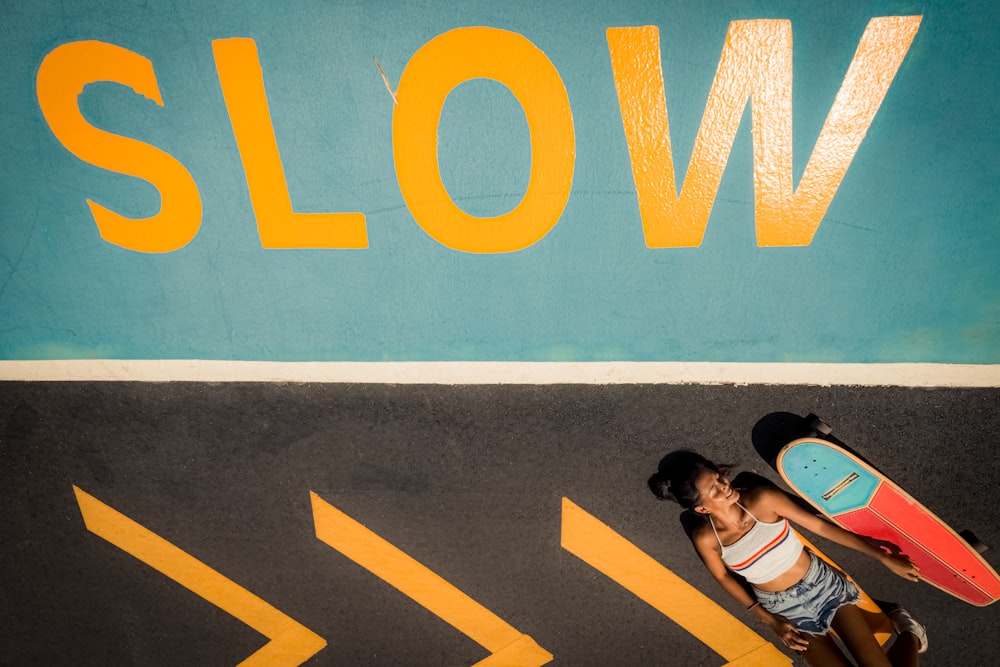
x: 715, y: 491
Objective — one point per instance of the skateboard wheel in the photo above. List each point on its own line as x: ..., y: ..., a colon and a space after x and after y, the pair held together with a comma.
x: 973, y: 541
x: 818, y: 425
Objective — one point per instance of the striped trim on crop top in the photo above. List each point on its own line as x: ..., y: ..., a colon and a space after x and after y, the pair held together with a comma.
x: 766, y: 549
x: 764, y: 552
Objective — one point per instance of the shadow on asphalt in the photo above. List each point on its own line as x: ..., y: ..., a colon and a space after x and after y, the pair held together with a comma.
x: 777, y: 429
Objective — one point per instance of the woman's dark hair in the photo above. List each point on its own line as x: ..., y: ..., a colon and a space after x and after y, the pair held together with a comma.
x: 677, y: 474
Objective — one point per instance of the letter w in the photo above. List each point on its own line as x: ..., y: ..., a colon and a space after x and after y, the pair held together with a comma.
x: 756, y: 63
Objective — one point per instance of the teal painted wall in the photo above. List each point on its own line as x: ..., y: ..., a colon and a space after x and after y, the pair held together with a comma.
x: 902, y: 268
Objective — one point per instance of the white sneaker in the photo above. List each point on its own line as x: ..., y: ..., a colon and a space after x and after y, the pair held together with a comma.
x: 903, y: 622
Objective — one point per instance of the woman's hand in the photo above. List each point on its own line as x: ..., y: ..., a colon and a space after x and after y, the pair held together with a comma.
x: 902, y: 565
x: 788, y: 633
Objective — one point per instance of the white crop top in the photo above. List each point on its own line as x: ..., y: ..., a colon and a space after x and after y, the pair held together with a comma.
x: 764, y: 553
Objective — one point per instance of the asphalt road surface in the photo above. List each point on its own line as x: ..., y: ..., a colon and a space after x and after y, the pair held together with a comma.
x: 470, y: 482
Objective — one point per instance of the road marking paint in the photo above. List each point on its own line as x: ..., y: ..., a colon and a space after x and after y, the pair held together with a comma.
x: 602, y: 548
x: 291, y: 642
x: 508, y: 646
x: 503, y: 372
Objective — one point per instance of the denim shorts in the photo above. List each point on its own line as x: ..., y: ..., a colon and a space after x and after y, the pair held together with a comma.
x: 811, y: 604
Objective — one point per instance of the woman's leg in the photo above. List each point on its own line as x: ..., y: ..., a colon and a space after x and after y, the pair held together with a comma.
x: 824, y: 652
x: 853, y: 630
x: 905, y: 651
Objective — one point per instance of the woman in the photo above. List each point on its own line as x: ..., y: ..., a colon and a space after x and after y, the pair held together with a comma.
x: 797, y: 594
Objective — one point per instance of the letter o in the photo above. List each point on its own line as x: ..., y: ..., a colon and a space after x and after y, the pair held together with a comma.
x: 431, y: 74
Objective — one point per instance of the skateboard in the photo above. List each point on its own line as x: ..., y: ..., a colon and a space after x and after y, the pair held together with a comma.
x: 861, y: 499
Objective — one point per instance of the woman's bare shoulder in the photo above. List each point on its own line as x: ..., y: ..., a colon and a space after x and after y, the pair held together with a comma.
x: 762, y: 500
x: 702, y: 535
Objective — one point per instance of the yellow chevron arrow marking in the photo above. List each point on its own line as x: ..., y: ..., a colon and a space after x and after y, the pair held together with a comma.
x: 509, y: 648
x: 611, y: 554
x: 291, y: 642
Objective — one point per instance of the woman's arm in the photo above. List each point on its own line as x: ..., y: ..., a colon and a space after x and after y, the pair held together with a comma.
x: 784, y: 506
x: 711, y: 555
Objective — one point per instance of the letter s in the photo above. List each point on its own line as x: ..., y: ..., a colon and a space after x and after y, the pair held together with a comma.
x: 62, y: 76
